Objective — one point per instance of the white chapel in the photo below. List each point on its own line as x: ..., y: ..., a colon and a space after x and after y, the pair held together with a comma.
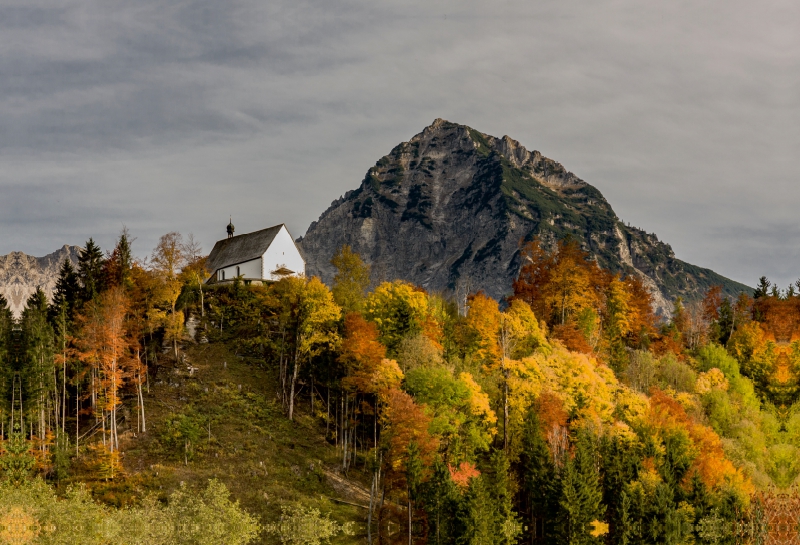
x: 265, y: 255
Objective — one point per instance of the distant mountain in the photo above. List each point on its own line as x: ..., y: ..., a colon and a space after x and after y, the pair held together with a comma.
x: 21, y: 274
x: 448, y: 209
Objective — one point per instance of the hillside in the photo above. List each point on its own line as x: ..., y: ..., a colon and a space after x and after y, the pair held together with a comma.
x: 447, y: 210
x: 243, y: 439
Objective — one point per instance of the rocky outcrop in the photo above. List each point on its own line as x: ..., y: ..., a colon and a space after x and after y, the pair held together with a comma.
x: 447, y: 210
x: 21, y: 275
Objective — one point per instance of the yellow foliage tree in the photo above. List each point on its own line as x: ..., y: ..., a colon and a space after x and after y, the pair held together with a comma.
x: 398, y: 309
x: 311, y: 316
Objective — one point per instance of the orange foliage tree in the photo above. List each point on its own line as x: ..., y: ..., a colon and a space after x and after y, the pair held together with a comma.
x: 106, y: 347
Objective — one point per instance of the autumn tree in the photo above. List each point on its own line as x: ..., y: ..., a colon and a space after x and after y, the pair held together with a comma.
x: 617, y: 320
x: 642, y: 318
x: 410, y: 446
x: 351, y: 280
x: 399, y: 310
x: 195, y: 272
x: 107, y: 348
x: 310, y: 315
x: 167, y: 260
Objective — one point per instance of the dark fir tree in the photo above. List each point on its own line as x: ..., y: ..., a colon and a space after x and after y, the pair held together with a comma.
x: 726, y: 322
x: 763, y: 288
x: 582, y: 495
x: 90, y: 270
x: 478, y: 515
x: 506, y: 522
x: 67, y: 291
x: 540, y: 481
x: 124, y: 258
x: 117, y: 267
x: 620, y: 467
x: 37, y: 370
x: 441, y: 498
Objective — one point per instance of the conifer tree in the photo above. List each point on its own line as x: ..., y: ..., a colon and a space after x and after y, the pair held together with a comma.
x: 117, y: 268
x: 479, y: 514
x: 90, y: 270
x: 124, y: 258
x: 506, y: 522
x: 38, y: 372
x: 619, y: 468
x: 541, y: 484
x: 762, y: 289
x: 67, y: 290
x: 582, y: 495
x: 441, y: 498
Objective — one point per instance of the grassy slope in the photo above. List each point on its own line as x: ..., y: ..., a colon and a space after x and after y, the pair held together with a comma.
x: 262, y: 458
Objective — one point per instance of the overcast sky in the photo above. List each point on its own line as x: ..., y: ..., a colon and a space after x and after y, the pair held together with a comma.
x: 172, y: 115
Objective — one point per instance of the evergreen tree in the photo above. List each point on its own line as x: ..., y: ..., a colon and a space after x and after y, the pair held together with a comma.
x: 116, y: 270
x: 67, y: 291
x: 37, y: 370
x: 124, y: 258
x: 619, y: 468
x: 540, y: 480
x: 582, y: 495
x: 623, y: 532
x: 506, y: 522
x: 762, y: 289
x: 441, y: 498
x: 90, y: 270
x: 6, y: 351
x: 479, y: 526
x: 726, y: 321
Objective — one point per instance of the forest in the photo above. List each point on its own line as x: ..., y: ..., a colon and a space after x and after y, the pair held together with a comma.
x: 566, y: 413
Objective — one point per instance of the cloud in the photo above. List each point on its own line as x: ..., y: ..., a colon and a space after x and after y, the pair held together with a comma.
x: 173, y: 115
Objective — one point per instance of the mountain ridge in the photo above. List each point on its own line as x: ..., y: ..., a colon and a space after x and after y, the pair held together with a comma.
x: 22, y: 274
x: 448, y: 208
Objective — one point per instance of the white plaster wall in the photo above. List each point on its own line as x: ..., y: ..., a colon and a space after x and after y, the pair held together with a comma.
x: 248, y: 269
x: 283, y: 253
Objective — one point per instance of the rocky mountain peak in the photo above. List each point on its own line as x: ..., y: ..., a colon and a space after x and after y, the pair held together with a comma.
x: 22, y: 274
x: 448, y: 208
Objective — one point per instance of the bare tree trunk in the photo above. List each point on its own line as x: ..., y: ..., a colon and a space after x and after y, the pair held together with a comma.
x: 505, y: 410
x: 77, y: 417
x: 294, y: 381
x: 283, y: 367
x: 345, y: 433
x: 410, y: 539
x: 202, y: 303
x: 64, y: 392
x: 380, y: 508
x: 371, y: 503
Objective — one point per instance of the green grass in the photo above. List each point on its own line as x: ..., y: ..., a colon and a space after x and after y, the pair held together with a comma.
x: 264, y: 459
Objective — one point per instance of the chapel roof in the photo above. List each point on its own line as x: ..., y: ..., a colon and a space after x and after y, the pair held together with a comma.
x: 241, y: 248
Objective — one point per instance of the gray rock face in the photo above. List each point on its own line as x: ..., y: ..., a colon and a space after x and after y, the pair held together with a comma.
x: 448, y: 210
x: 21, y: 275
